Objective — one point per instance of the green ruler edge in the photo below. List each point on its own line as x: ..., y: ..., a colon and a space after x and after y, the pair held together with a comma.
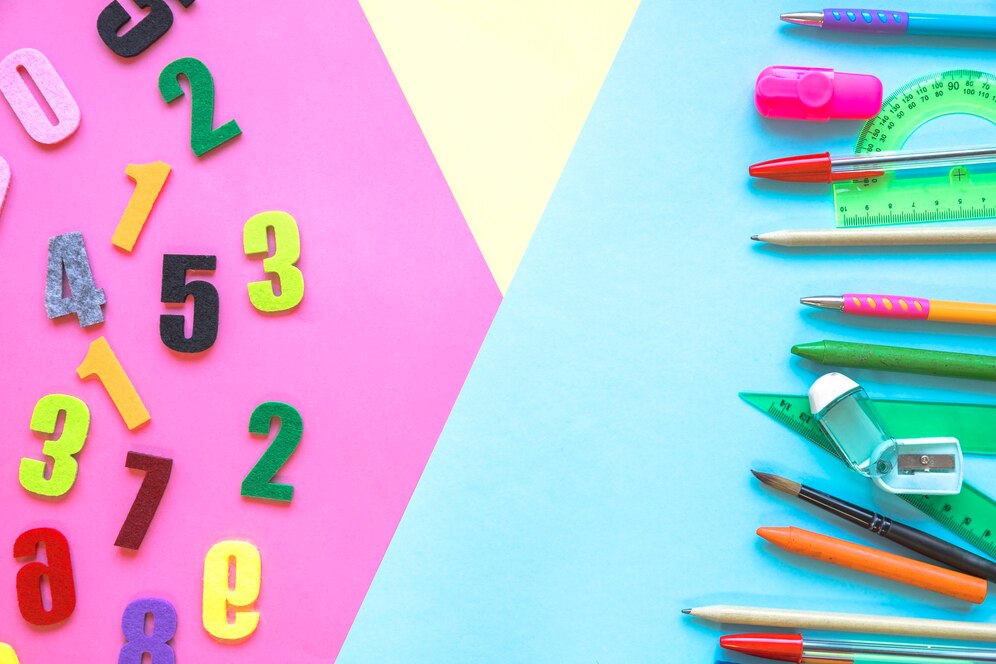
x: 971, y: 514
x: 961, y: 193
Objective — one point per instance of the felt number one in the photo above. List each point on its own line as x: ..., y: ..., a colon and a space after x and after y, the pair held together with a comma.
x: 60, y: 450
x: 58, y: 570
x: 67, y: 256
x: 220, y: 596
x: 176, y: 290
x: 149, y: 180
x: 258, y: 483
x: 143, y: 34
x: 7, y: 655
x: 203, y: 138
x: 138, y: 642
x: 150, y: 494
x: 287, y: 243
x: 102, y: 363
x: 52, y: 88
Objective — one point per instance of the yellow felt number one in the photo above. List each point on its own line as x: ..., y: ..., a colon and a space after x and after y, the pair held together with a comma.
x: 149, y: 180
x: 219, y: 595
x: 61, y: 449
x: 287, y: 242
x: 101, y: 362
x: 7, y: 654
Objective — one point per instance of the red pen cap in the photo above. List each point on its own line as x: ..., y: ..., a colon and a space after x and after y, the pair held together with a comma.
x: 781, y: 647
x: 817, y: 94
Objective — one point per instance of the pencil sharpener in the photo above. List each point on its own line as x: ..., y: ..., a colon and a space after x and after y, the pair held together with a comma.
x: 848, y: 417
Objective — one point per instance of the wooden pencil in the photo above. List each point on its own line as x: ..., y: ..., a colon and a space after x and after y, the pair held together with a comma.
x: 847, y: 622
x: 858, y: 237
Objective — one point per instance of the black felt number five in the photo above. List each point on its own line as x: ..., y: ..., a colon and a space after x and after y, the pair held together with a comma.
x: 143, y: 34
x: 176, y: 289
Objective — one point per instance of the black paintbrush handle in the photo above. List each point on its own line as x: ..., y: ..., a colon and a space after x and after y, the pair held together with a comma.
x: 939, y: 550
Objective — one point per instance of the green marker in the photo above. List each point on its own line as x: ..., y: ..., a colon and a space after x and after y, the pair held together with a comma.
x: 896, y: 358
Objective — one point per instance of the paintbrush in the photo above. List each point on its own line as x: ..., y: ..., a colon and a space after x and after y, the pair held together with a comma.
x: 907, y: 536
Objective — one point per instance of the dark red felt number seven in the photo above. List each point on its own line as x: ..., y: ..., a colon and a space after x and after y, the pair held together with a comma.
x: 157, y: 472
x: 58, y: 569
x: 257, y: 483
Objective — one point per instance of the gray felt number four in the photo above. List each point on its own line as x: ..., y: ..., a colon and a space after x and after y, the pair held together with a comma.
x: 67, y: 254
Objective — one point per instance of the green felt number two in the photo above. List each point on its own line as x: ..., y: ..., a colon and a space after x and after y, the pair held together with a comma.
x: 202, y: 137
x: 258, y: 483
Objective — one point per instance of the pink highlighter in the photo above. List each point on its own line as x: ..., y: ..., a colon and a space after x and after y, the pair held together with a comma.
x: 816, y: 94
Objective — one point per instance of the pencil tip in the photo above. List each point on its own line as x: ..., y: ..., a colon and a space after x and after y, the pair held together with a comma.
x: 756, y: 238
x: 686, y: 611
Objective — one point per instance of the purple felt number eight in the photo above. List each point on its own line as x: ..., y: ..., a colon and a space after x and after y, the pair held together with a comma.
x: 138, y: 642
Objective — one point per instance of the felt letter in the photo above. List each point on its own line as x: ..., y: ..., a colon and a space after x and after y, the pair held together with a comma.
x: 157, y: 472
x: 176, y: 289
x: 101, y: 362
x: 202, y: 137
x: 281, y: 264
x: 52, y: 88
x: 58, y: 569
x: 138, y: 642
x: 149, y: 180
x: 257, y: 483
x: 61, y: 449
x: 219, y: 595
x: 67, y: 254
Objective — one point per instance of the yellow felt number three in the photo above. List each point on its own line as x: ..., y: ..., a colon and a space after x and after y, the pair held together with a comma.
x: 61, y: 449
x: 287, y: 242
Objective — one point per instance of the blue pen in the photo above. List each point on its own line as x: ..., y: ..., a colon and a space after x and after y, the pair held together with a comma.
x: 885, y: 21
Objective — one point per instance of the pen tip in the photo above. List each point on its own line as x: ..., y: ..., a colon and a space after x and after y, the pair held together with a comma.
x: 686, y: 611
x: 803, y: 18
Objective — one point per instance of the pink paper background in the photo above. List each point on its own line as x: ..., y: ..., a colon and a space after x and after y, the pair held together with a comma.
x: 397, y: 302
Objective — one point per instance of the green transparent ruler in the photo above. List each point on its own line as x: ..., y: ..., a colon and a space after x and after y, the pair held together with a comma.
x: 965, y: 192
x: 971, y: 515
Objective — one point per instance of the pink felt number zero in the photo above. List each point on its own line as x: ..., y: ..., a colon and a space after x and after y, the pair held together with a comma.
x: 4, y: 185
x: 33, y: 63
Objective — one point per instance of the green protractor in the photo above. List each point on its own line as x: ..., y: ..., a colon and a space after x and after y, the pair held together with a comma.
x: 965, y: 192
x: 971, y: 514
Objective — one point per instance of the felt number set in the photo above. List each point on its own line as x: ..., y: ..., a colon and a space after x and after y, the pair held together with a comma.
x: 45, y: 584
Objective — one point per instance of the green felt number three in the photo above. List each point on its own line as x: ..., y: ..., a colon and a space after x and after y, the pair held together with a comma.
x: 258, y: 483
x: 202, y: 137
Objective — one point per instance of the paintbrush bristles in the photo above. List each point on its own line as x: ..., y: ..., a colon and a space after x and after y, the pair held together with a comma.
x: 778, y: 482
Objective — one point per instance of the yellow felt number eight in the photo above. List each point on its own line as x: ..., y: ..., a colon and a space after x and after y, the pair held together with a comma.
x: 287, y: 241
x: 61, y: 449
x: 219, y: 595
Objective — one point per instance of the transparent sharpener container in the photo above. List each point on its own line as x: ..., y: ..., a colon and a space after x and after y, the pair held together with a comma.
x: 847, y: 416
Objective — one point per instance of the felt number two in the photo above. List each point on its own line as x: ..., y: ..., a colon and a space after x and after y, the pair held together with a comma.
x: 287, y: 242
x: 143, y: 34
x: 61, y: 449
x: 150, y: 494
x: 67, y: 255
x: 138, y: 642
x: 176, y: 290
x: 58, y: 569
x: 258, y: 483
x: 202, y: 137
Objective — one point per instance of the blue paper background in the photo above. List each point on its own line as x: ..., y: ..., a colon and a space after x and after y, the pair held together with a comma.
x: 593, y: 477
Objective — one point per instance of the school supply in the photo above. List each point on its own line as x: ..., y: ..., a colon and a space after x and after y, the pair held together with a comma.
x: 797, y: 648
x: 880, y: 237
x: 816, y: 94
x: 903, y: 307
x: 891, y: 22
x: 899, y: 359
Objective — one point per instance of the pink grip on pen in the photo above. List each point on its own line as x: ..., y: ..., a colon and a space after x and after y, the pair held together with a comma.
x: 887, y: 306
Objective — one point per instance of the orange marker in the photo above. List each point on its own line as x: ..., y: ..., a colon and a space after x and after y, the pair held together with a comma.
x: 878, y: 563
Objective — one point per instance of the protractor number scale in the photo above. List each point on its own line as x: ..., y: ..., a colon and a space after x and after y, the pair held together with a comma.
x: 911, y: 197
x: 971, y: 515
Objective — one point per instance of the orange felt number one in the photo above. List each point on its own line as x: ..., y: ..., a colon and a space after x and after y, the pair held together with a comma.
x: 101, y: 362
x: 149, y: 180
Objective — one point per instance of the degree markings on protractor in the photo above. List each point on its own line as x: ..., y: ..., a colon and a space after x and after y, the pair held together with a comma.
x: 971, y: 515
x: 964, y: 192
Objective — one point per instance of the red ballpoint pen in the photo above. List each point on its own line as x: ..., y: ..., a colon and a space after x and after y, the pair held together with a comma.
x: 795, y: 648
x: 825, y: 168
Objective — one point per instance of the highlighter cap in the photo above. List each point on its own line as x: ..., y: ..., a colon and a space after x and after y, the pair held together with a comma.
x: 816, y: 94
